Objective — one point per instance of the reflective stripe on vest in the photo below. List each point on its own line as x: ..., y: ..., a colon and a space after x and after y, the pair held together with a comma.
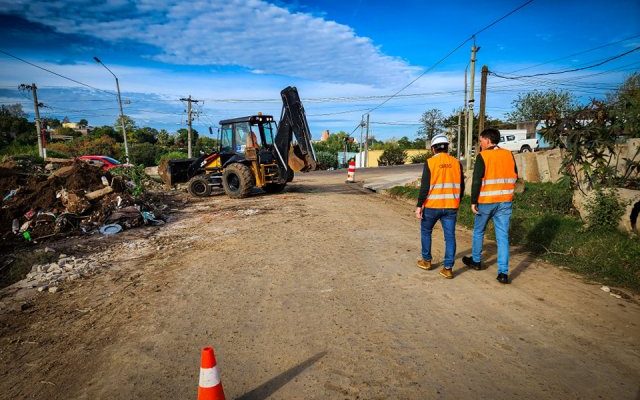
x: 444, y: 187
x: 499, y: 180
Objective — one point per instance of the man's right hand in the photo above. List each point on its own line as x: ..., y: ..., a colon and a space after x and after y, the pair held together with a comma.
x: 419, y: 212
x: 474, y: 208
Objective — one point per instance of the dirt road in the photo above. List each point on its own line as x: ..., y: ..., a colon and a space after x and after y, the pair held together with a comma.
x: 314, y: 294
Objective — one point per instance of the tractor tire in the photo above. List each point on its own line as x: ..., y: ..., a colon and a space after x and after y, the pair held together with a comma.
x: 237, y: 181
x: 199, y: 186
x: 525, y: 149
x: 274, y: 187
x: 290, y: 175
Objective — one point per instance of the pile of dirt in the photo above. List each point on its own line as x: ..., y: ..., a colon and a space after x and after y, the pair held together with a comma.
x: 76, y: 198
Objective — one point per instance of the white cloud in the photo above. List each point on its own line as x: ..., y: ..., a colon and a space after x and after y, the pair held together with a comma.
x: 248, y: 33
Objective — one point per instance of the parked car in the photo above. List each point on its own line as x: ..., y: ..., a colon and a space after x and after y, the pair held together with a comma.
x: 516, y: 140
x: 104, y: 162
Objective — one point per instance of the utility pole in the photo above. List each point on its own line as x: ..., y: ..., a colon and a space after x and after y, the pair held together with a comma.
x: 124, y: 131
x: 36, y: 108
x: 366, y: 144
x: 483, y: 97
x: 474, y: 50
x: 189, y: 100
x: 459, y: 132
x: 361, y: 147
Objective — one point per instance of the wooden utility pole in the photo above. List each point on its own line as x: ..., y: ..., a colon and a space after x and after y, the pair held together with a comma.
x: 483, y: 97
x: 36, y: 109
x: 366, y: 144
x: 459, y: 132
x: 469, y: 141
x: 189, y: 100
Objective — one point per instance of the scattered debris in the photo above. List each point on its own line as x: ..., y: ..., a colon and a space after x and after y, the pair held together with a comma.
x: 605, y: 289
x: 75, y: 198
x: 110, y: 229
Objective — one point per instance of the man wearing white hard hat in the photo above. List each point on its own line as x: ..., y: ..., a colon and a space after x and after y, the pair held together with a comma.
x: 441, y: 188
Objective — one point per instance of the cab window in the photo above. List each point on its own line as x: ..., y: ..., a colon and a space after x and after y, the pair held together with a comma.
x: 242, y: 130
x: 511, y: 138
x: 226, y: 139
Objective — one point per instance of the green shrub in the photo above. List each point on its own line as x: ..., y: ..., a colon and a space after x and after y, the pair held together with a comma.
x: 420, y: 157
x: 135, y: 174
x: 327, y: 160
x: 172, y: 155
x: 57, y: 154
x: 143, y: 154
x: 19, y: 149
x: 604, y: 210
x: 392, y: 156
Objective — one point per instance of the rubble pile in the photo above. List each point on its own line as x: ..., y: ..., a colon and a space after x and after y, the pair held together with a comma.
x: 47, y: 277
x: 75, y: 198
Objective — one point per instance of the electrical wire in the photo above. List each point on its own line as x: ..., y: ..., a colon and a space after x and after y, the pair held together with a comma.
x: 472, y: 37
x: 55, y: 73
x: 568, y: 70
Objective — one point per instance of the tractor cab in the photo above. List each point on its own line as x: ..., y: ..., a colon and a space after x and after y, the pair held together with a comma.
x: 250, y: 138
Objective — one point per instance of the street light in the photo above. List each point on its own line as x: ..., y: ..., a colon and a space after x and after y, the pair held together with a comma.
x: 124, y: 131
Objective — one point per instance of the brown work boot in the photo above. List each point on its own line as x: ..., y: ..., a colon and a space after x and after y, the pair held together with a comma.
x: 447, y: 273
x: 424, y: 264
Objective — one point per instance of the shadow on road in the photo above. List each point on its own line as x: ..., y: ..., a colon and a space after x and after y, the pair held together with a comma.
x: 271, y: 386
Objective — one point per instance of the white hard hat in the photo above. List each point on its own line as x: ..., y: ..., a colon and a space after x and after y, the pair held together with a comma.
x: 439, y: 139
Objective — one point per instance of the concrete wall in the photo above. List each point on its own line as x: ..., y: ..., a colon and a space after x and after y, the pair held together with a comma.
x: 372, y: 161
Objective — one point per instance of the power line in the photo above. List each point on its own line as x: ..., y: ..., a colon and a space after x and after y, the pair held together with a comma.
x: 55, y: 73
x: 569, y: 70
x: 451, y: 52
x: 578, y: 53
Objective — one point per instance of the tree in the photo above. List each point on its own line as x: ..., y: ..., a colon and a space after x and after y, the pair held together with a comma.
x: 335, y: 143
x: 625, y: 107
x: 392, y: 155
x: 404, y: 143
x: 13, y: 124
x: 107, y: 131
x: 144, y: 135
x: 182, y: 137
x: 13, y: 110
x: 129, y: 124
x: 205, y: 145
x: 539, y: 106
x: 165, y: 138
x: 83, y: 122
x: 432, y: 124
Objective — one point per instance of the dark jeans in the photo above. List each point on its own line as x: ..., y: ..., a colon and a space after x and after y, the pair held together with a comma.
x: 447, y: 217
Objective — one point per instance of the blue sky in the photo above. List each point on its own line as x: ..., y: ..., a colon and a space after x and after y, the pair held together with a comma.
x: 344, y: 56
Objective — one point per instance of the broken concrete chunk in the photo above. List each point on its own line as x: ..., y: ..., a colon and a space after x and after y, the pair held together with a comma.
x: 53, y: 289
x: 99, y: 193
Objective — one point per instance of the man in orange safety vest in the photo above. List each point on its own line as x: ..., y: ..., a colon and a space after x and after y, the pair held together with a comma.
x: 441, y: 188
x: 494, y: 182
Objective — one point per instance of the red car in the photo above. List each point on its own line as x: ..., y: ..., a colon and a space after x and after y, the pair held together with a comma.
x: 104, y: 162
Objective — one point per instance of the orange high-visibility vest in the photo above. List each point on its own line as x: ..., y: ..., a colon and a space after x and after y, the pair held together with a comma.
x: 444, y: 187
x: 499, y: 181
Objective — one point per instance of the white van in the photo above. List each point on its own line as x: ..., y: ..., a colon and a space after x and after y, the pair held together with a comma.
x: 516, y: 140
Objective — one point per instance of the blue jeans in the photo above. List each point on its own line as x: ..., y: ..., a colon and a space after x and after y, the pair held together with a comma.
x: 447, y: 217
x: 501, y: 215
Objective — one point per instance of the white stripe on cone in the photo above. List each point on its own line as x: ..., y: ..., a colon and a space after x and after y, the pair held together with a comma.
x: 209, y: 377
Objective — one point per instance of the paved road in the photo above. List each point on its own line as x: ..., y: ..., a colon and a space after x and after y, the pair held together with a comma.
x: 314, y: 294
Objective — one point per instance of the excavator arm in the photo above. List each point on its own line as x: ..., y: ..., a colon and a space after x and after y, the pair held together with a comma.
x: 298, y: 155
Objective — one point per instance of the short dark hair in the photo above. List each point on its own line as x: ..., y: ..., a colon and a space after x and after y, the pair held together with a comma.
x: 492, y: 134
x: 440, y: 148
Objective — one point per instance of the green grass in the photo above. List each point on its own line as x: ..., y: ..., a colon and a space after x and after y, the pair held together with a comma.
x: 545, y: 224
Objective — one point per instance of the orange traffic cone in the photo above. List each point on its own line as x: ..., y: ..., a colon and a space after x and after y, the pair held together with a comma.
x: 210, y: 386
x: 351, y: 173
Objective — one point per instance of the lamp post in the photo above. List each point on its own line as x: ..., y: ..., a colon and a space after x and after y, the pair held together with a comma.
x: 124, y: 131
